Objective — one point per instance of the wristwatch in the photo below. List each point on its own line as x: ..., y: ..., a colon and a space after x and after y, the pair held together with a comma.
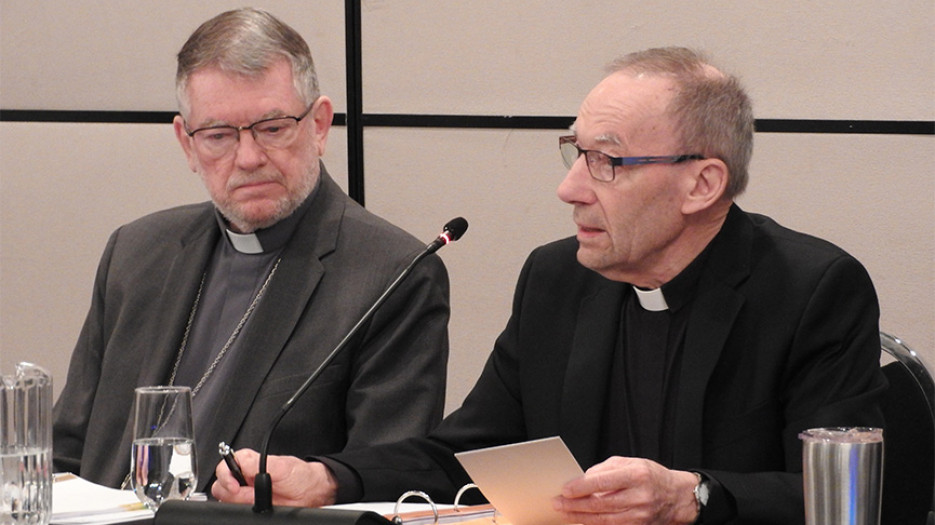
x: 702, y: 491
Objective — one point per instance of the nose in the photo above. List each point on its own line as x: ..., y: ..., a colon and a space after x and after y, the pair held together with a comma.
x: 575, y: 187
x: 249, y: 154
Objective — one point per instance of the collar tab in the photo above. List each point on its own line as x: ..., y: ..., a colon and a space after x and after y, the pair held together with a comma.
x: 247, y: 243
x: 651, y: 300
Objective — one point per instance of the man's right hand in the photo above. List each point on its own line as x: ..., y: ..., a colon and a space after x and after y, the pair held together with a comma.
x: 296, y: 483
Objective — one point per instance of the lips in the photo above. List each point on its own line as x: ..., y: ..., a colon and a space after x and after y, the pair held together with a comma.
x: 586, y: 226
x: 589, y: 229
x: 253, y: 184
x: 588, y: 233
x: 246, y: 183
x: 591, y: 234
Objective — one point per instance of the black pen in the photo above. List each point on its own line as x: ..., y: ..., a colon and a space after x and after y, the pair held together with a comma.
x: 228, y: 454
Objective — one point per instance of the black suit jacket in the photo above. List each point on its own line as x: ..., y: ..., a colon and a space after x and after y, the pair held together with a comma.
x: 782, y: 336
x: 388, y: 384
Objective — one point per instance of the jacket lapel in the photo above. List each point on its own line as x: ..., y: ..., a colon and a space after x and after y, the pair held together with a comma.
x: 712, y: 317
x: 280, y: 310
x: 713, y: 312
x: 174, y: 304
x: 585, y: 388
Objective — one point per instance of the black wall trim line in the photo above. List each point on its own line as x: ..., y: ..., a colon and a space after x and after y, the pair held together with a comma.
x: 884, y: 127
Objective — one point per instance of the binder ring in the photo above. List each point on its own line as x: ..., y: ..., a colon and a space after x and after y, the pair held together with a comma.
x: 464, y: 489
x: 398, y: 521
x: 461, y: 491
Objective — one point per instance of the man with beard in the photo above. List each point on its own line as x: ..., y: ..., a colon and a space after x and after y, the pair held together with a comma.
x: 241, y: 298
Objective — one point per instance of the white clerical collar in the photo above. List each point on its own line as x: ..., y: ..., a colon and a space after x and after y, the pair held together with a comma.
x: 245, y: 242
x: 652, y: 300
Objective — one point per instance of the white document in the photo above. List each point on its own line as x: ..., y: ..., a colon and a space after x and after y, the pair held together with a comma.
x: 386, y: 508
x: 520, y: 480
x: 78, y: 501
x: 421, y: 513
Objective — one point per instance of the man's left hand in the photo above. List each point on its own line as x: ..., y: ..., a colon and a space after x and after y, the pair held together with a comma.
x: 629, y: 491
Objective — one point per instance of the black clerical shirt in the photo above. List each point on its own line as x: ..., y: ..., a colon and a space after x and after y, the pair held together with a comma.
x: 647, y: 357
x: 644, y: 384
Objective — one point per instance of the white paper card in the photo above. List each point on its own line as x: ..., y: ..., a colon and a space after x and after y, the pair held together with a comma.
x: 521, y: 479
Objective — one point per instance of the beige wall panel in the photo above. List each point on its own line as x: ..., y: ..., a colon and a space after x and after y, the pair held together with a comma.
x: 119, y: 55
x: 63, y: 189
x: 835, y: 59
x: 503, y: 183
x: 826, y: 60
x: 871, y: 195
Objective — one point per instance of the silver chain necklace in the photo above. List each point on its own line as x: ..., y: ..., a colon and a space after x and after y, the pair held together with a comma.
x: 230, y: 340
x: 227, y: 345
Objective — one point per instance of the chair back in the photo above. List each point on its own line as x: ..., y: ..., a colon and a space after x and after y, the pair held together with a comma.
x: 909, y: 438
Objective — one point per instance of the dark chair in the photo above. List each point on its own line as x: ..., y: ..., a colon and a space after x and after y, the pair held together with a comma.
x: 909, y: 438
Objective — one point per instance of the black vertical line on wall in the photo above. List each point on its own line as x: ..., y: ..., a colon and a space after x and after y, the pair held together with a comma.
x: 354, y: 118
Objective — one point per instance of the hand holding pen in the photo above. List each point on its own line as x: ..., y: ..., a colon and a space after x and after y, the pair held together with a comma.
x: 228, y: 454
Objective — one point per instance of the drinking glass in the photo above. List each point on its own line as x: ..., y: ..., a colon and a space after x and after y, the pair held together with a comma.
x: 162, y: 461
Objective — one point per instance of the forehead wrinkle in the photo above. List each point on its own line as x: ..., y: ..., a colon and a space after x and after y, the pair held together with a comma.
x: 607, y: 138
x: 604, y: 139
x: 215, y: 122
x: 212, y: 90
x: 611, y: 116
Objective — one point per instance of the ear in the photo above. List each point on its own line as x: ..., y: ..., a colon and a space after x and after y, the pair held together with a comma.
x: 185, y: 141
x: 707, y: 186
x: 322, y: 114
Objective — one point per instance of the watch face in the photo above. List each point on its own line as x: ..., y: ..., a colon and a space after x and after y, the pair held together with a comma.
x: 701, y: 493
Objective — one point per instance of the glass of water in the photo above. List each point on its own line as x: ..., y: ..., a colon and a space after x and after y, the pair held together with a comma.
x: 162, y: 462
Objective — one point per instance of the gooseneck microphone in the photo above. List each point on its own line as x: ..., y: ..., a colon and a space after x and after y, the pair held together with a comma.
x: 177, y: 512
x: 452, y: 231
x: 263, y: 484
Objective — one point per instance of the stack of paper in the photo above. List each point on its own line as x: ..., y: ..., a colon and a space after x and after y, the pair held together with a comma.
x: 78, y: 501
x: 422, y: 514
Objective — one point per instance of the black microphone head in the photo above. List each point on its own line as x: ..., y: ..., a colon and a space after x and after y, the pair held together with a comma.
x: 456, y: 228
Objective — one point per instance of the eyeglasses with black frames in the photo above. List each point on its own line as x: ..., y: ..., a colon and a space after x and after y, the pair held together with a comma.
x: 270, y: 133
x: 602, y: 166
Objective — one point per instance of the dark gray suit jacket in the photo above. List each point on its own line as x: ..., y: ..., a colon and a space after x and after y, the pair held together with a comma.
x: 782, y: 336
x: 388, y: 384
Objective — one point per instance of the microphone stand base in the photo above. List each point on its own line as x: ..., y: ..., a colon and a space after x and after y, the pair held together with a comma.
x: 178, y: 512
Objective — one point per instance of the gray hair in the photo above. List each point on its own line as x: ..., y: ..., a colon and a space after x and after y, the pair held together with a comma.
x: 711, y: 110
x: 245, y: 42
